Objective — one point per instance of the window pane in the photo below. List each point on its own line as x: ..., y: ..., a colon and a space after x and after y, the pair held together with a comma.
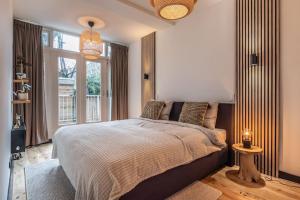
x: 108, y: 51
x: 65, y: 41
x: 93, y: 91
x: 45, y: 38
x: 104, y: 49
x: 67, y: 91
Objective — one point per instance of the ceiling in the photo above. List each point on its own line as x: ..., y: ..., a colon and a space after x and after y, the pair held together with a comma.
x: 125, y: 22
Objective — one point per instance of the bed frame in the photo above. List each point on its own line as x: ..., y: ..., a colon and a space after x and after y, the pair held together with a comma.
x: 164, y: 185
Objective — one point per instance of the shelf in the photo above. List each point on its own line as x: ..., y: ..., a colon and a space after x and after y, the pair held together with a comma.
x: 22, y: 81
x: 21, y: 101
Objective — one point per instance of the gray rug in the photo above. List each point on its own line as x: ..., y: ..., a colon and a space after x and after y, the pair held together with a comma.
x: 47, y: 181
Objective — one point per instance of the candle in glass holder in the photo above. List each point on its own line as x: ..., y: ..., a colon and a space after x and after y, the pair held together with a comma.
x: 247, y: 139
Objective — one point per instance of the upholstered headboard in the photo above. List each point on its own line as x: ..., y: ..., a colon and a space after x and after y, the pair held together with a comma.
x: 225, y: 120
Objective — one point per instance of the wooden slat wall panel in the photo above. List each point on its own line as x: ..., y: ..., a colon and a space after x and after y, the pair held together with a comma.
x: 148, y: 67
x: 257, y: 108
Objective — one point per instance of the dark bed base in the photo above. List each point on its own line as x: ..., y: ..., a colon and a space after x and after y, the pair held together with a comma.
x: 164, y: 185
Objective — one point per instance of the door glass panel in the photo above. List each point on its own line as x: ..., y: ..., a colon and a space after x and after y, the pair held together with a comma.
x: 93, y: 91
x: 67, y: 92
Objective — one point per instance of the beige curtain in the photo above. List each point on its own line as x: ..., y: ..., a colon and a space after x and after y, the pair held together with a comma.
x: 28, y: 44
x: 119, y: 82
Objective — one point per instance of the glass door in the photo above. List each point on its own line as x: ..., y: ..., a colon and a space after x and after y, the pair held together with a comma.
x: 76, y: 89
x: 67, y: 91
x: 96, y: 91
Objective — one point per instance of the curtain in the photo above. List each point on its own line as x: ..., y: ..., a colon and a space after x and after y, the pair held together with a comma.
x: 119, y: 82
x: 28, y: 44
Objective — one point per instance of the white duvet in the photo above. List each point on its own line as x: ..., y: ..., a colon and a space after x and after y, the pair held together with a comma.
x: 107, y: 160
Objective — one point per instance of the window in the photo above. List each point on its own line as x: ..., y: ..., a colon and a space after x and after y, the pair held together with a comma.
x: 108, y: 50
x: 76, y: 87
x: 45, y: 38
x: 65, y: 41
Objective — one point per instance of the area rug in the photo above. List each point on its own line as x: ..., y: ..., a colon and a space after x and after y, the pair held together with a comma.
x: 48, y: 181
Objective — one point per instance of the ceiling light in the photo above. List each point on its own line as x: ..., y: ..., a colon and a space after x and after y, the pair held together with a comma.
x: 91, y: 44
x: 173, y: 9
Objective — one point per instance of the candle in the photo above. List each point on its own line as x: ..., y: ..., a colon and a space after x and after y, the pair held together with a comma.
x: 247, y: 139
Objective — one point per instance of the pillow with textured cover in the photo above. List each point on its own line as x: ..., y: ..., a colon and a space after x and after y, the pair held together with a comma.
x: 153, y: 109
x: 165, y: 113
x: 210, y: 118
x: 193, y: 113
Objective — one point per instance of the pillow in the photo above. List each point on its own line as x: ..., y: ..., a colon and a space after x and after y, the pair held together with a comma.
x: 153, y: 109
x: 175, y: 111
x: 193, y: 113
x: 210, y: 118
x: 165, y: 113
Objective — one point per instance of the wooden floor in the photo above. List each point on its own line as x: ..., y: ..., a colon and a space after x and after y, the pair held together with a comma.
x: 275, y: 189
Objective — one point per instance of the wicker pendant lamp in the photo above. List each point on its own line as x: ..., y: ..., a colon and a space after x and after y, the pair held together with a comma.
x: 173, y: 9
x: 91, y: 44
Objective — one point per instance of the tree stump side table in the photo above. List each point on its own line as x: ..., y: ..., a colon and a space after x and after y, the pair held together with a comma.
x: 248, y: 171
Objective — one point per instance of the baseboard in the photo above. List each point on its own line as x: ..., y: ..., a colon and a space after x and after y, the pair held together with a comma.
x: 11, y: 180
x: 289, y: 177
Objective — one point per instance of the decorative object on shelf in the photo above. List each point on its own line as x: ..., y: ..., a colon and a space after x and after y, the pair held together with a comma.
x: 19, y: 121
x: 247, y: 138
x: 173, y: 9
x: 91, y: 44
x: 21, y: 76
x: 22, y: 63
x: 23, y: 94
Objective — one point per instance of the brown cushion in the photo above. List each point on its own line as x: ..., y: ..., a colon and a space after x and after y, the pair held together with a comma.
x: 193, y: 113
x: 165, y: 113
x: 153, y: 109
x: 210, y: 118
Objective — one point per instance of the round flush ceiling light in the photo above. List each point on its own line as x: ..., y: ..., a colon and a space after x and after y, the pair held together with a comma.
x: 173, y: 9
x: 91, y: 44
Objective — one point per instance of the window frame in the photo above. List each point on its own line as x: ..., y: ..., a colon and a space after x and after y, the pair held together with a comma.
x: 50, y: 42
x: 49, y: 53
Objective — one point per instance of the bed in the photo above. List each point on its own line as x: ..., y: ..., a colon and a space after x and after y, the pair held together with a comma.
x: 141, y: 158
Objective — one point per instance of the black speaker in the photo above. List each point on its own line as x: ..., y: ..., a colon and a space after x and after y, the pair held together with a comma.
x: 18, y: 140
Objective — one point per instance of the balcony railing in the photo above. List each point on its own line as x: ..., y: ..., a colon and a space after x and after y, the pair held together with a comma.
x: 68, y: 109
x: 93, y: 108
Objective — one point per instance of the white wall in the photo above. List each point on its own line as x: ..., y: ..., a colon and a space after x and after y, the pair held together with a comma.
x: 134, y: 79
x: 195, y: 59
x: 6, y: 24
x: 290, y: 67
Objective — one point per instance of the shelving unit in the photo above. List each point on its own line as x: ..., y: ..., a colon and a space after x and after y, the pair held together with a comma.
x: 18, y: 132
x: 21, y: 81
x: 21, y: 101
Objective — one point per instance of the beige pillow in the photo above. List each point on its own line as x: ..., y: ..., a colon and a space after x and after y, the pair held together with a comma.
x: 153, y: 109
x: 165, y: 113
x: 193, y: 113
x: 210, y: 118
